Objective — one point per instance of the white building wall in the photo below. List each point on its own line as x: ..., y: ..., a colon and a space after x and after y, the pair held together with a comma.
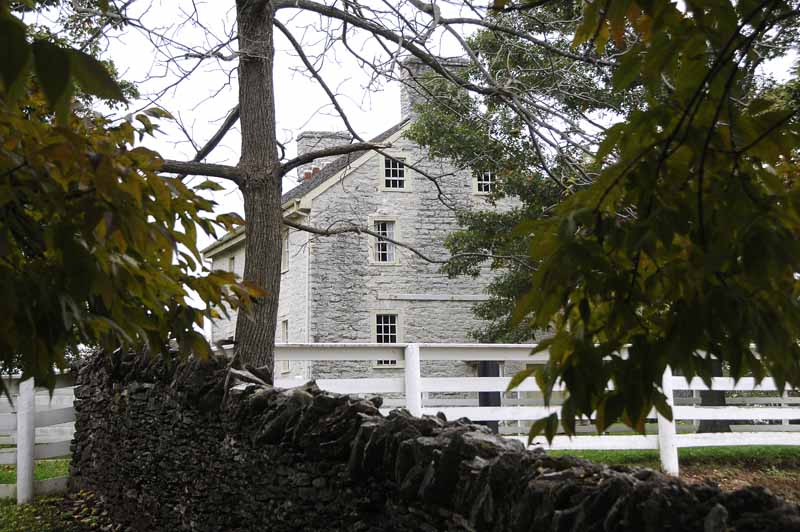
x: 332, y: 289
x: 224, y: 328
x: 348, y: 289
x: 292, y: 304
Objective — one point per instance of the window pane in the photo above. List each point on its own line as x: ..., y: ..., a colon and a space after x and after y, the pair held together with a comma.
x: 386, y: 328
x: 394, y: 173
x: 486, y: 182
x: 384, y: 251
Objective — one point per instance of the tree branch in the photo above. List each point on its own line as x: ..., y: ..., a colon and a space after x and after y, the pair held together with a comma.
x: 212, y: 143
x: 344, y: 149
x: 231, y: 173
x: 357, y: 229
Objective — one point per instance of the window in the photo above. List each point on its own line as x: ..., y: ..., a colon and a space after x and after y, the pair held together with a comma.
x: 386, y: 328
x: 232, y: 264
x: 285, y: 252
x: 394, y: 173
x: 285, y: 364
x: 285, y: 331
x: 386, y: 333
x: 384, y: 250
x: 485, y: 182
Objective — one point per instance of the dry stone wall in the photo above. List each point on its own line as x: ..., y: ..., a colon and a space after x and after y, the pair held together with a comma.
x: 195, y: 447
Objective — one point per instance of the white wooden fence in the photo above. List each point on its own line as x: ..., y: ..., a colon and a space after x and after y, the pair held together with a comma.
x: 525, y: 404
x: 40, y: 425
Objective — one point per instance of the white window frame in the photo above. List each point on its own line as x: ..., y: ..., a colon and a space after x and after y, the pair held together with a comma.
x: 476, y: 182
x: 285, y: 252
x: 232, y: 264
x: 373, y: 241
x: 399, y: 333
x: 382, y: 162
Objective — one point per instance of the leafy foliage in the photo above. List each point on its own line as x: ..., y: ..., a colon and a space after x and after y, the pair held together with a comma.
x: 95, y: 247
x: 675, y: 241
x: 483, y: 134
x: 57, y: 67
x: 685, y: 246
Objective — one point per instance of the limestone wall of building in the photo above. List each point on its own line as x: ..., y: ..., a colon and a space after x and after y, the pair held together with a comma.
x: 350, y: 288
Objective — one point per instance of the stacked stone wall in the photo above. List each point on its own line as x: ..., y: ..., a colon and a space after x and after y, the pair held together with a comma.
x: 196, y: 447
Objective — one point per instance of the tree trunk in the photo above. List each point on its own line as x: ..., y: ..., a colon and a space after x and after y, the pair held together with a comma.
x: 260, y: 184
x: 714, y: 398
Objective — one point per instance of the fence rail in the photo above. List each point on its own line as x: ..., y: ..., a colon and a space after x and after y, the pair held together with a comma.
x: 34, y: 409
x: 526, y: 404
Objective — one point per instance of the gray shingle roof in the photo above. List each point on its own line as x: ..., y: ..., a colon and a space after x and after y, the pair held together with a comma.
x: 336, y: 166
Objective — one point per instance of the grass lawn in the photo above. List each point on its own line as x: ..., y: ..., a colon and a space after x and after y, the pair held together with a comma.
x: 786, y: 456
x: 44, y: 469
x: 776, y: 468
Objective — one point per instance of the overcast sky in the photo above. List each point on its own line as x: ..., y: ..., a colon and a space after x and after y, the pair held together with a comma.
x: 203, y: 99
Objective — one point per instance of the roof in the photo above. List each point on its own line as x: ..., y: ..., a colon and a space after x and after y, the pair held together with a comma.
x: 330, y: 170
x: 227, y: 237
x: 337, y: 165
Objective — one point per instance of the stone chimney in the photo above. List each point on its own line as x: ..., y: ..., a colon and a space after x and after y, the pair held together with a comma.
x: 309, y: 141
x: 412, y: 70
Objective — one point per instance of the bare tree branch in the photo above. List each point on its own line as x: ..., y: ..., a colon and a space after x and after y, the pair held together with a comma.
x: 344, y: 149
x: 212, y: 143
x: 184, y: 168
x: 361, y: 230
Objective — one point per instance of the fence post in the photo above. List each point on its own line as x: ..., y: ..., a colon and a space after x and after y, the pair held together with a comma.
x: 413, y: 380
x: 26, y: 438
x: 667, y: 448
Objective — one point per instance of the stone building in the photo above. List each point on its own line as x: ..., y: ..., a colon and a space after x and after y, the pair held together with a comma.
x: 356, y: 288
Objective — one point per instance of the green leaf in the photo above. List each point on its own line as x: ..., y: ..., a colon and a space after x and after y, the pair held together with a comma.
x: 93, y: 77
x: 52, y: 71
x: 157, y: 112
x: 209, y: 185
x: 14, y: 51
x: 548, y: 425
x: 628, y: 70
x: 517, y: 379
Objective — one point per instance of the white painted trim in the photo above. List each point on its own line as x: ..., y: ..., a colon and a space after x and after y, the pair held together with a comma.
x: 593, y: 442
x: 213, y: 250
x: 52, y: 450
x: 56, y: 416
x: 412, y: 380
x: 8, y: 457
x: 433, y: 297
x: 327, y: 351
x: 349, y: 386
x: 735, y: 439
x: 493, y: 413
x: 8, y: 422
